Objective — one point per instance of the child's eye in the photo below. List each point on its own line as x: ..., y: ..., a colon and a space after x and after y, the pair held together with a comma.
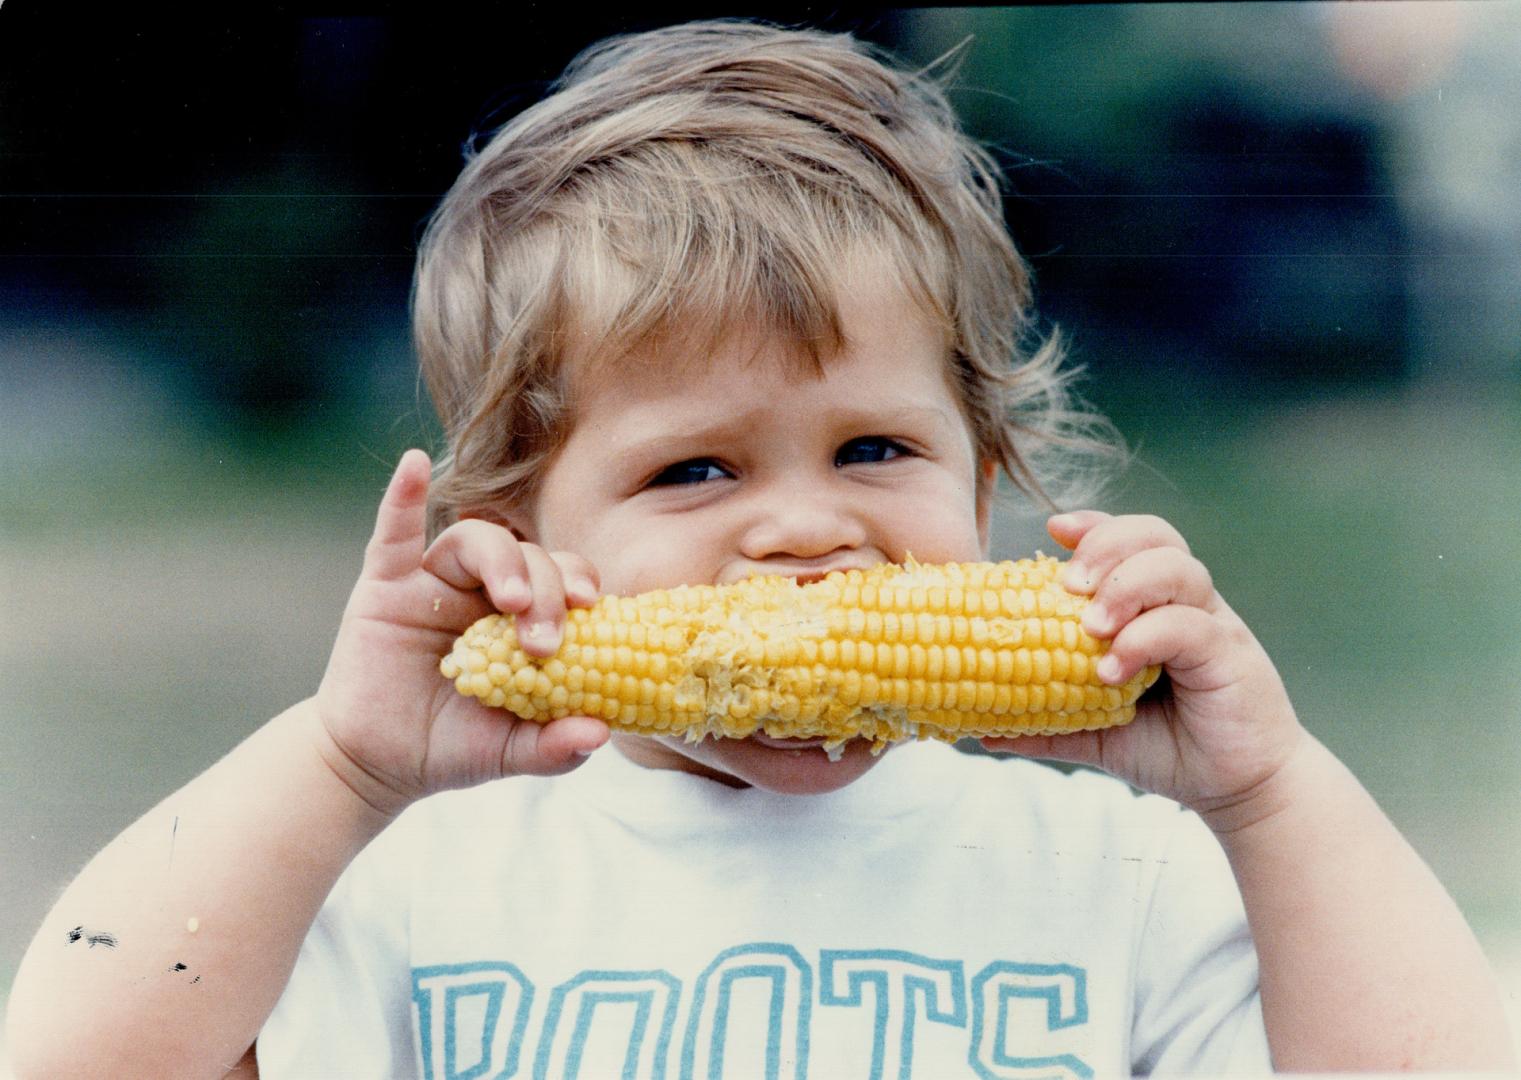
x: 695, y: 471
x: 870, y: 448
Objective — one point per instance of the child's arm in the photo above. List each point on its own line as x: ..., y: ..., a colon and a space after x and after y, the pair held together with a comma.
x: 1366, y: 963
x: 166, y: 954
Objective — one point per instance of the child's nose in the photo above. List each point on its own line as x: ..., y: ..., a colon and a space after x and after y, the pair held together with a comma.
x: 801, y: 525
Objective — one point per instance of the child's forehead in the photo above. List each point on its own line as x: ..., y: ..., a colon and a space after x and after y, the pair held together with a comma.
x: 867, y: 302
x: 890, y: 356
x: 686, y: 355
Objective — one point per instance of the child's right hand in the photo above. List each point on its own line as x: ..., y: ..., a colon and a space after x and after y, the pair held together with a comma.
x: 392, y: 727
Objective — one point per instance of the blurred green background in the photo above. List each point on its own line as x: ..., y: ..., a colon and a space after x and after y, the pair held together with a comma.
x: 1283, y: 239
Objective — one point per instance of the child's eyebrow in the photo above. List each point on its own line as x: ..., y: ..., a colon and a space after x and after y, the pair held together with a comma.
x: 683, y: 432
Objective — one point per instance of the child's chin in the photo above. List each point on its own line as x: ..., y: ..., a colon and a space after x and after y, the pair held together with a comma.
x: 772, y: 765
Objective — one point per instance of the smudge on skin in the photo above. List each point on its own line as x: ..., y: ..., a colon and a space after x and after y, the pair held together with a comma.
x: 79, y: 933
x: 178, y: 967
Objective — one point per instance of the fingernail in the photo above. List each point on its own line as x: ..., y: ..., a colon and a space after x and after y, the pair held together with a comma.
x: 539, y: 633
x: 1076, y: 577
x: 1108, y: 669
x: 581, y: 589
x: 513, y: 592
x: 1062, y: 521
x: 1096, y: 618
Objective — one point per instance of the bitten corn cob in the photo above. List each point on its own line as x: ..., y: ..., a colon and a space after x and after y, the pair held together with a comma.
x: 884, y: 654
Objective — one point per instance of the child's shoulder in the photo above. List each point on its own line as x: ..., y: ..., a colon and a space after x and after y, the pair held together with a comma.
x: 1065, y: 794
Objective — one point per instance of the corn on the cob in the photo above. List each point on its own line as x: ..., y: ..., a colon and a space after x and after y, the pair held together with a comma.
x: 894, y: 652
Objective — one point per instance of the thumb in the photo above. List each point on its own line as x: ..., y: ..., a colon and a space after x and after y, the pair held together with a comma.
x: 551, y: 749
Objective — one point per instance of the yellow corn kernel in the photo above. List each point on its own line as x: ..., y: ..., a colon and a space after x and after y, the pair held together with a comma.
x: 890, y: 653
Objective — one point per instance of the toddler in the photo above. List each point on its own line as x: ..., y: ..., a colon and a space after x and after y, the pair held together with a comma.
x: 739, y: 300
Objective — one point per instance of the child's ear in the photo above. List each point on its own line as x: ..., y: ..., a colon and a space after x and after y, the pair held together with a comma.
x: 987, y: 484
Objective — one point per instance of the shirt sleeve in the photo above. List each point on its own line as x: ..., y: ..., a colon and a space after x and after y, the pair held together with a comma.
x: 1197, y: 1004
x: 347, y: 1010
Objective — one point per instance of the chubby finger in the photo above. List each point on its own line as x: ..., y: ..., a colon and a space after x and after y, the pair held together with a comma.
x: 1148, y: 579
x: 401, y: 523
x: 1108, y: 543
x: 1068, y: 529
x: 582, y: 582
x: 1076, y: 747
x: 551, y: 749
x: 475, y: 554
x: 541, y: 624
x: 1184, y: 640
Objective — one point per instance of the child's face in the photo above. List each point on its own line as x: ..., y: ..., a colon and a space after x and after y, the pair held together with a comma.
x: 709, y: 473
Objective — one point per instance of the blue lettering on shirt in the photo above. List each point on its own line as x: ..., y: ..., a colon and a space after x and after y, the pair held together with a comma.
x: 453, y: 1002
x: 653, y: 995
x: 748, y: 1013
x: 1003, y: 1025
x: 897, y: 979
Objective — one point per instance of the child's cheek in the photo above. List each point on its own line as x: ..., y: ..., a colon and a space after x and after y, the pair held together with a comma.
x: 946, y: 534
x: 647, y: 559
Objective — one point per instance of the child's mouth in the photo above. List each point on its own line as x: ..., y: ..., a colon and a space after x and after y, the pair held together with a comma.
x: 774, y: 743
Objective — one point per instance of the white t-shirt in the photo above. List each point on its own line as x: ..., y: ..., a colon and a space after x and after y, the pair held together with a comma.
x: 947, y: 915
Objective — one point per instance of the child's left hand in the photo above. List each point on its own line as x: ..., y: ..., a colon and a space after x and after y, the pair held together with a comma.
x: 1222, y: 726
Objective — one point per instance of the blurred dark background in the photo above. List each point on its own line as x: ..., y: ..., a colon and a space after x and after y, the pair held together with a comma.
x: 1245, y: 192
x: 1283, y: 239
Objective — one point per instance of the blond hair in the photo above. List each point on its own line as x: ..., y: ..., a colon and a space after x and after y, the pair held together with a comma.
x: 685, y: 181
